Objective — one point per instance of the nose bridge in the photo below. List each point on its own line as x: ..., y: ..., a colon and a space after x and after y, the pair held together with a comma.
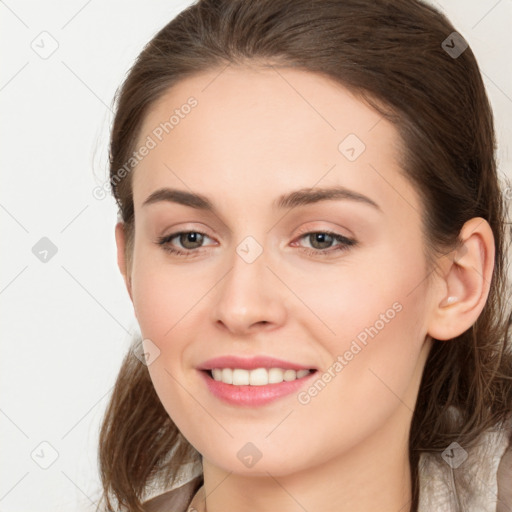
x: 247, y: 278
x: 246, y: 294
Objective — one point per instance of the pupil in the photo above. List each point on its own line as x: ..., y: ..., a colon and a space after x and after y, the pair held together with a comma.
x: 190, y: 238
x: 321, y: 237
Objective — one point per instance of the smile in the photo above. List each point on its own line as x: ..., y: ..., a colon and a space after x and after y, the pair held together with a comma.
x: 254, y: 388
x: 256, y: 377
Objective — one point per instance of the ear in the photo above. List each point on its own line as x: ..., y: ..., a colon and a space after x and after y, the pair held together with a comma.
x: 121, y: 256
x: 465, y: 281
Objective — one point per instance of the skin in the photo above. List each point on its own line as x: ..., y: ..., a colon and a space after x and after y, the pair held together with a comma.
x: 255, y: 134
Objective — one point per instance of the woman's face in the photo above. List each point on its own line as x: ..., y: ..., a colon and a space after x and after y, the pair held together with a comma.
x: 261, y: 277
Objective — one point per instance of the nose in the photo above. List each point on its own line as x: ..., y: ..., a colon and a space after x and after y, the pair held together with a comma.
x: 249, y: 297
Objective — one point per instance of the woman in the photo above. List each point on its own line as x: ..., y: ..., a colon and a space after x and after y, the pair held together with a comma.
x: 313, y: 238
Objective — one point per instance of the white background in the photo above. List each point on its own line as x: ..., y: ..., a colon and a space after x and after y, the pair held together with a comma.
x: 67, y: 323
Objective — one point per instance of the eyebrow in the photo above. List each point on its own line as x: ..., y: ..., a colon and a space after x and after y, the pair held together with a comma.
x: 301, y: 197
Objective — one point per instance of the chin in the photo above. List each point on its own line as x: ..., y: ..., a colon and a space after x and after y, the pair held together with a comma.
x: 251, y: 462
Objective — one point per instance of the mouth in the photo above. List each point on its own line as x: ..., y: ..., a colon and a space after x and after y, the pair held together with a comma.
x: 257, y: 376
x: 253, y: 381
x: 241, y: 387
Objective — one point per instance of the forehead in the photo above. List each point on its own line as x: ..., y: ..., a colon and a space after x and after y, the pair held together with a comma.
x: 264, y: 129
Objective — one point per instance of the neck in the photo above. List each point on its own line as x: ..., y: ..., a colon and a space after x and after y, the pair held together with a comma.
x: 374, y: 476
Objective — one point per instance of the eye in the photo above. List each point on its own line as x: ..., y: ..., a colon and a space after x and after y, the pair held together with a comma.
x: 186, y: 238
x: 321, y: 241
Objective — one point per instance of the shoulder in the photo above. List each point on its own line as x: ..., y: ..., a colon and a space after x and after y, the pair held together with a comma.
x: 175, y: 500
x: 478, y: 479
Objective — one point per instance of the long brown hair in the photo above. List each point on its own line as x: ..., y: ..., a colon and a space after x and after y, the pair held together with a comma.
x: 393, y: 55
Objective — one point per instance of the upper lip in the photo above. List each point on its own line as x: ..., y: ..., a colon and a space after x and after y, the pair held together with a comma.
x: 250, y: 363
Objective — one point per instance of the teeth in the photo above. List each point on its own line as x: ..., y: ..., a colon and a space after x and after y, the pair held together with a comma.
x: 240, y: 377
x: 289, y: 375
x: 257, y: 377
x: 275, y: 375
x: 227, y: 375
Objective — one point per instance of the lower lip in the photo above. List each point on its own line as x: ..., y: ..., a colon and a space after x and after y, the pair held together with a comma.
x: 253, y: 395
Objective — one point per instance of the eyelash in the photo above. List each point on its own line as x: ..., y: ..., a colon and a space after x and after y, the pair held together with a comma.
x: 345, y: 242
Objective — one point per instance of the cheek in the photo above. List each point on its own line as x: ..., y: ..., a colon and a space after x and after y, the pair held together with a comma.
x: 364, y: 299
x: 371, y: 372
x: 373, y: 326
x: 380, y: 330
x: 161, y: 295
x: 164, y: 305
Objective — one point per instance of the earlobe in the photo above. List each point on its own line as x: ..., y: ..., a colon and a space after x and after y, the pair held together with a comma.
x: 121, y: 255
x: 467, y: 274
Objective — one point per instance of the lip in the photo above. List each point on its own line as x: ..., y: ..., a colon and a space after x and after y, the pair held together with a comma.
x: 251, y: 363
x: 253, y: 396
